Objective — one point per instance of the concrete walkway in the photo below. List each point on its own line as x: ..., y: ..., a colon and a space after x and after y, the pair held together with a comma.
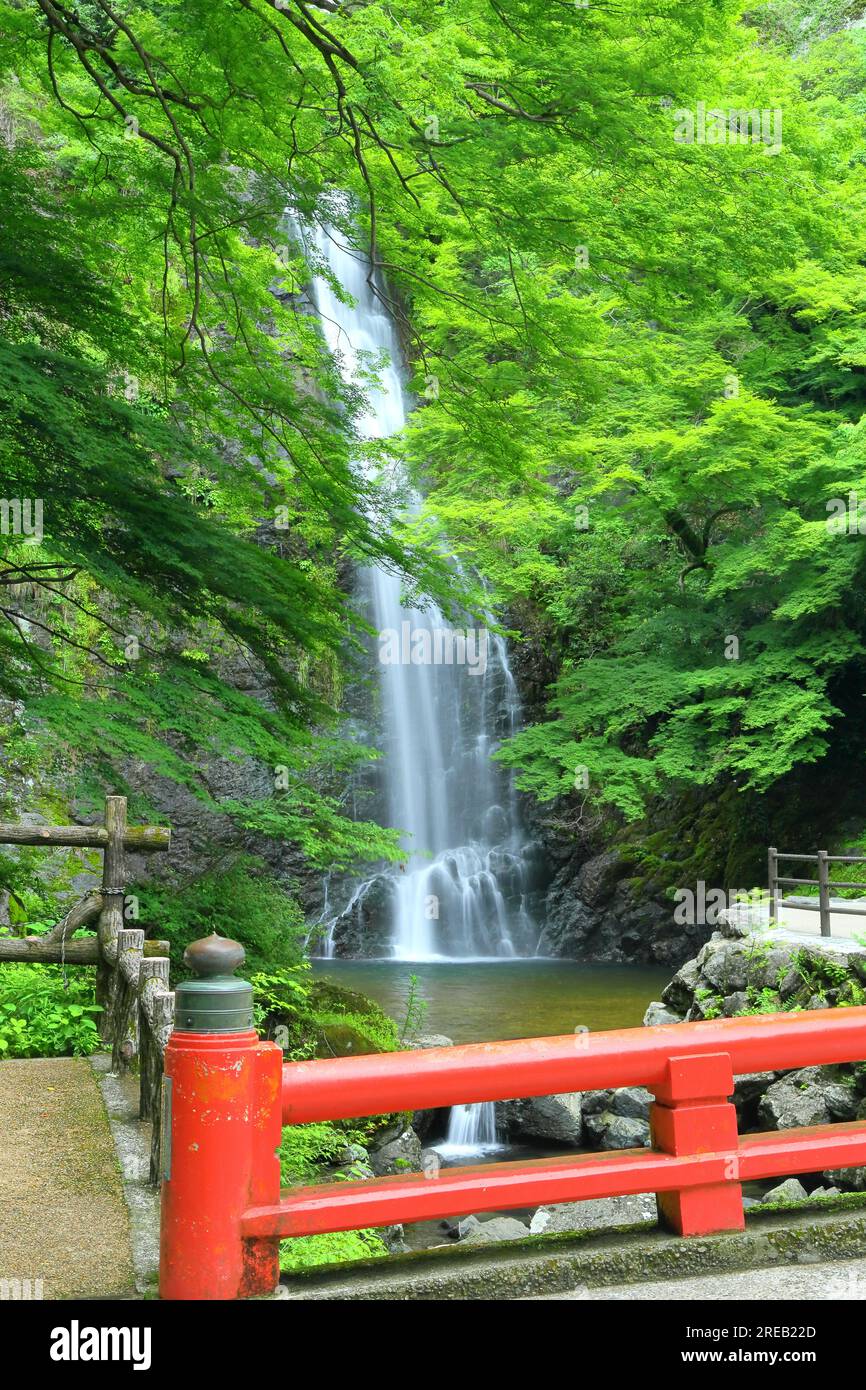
x: 843, y: 1280
x: 63, y: 1218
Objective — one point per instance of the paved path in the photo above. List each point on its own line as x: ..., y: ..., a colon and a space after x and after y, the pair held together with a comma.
x: 843, y: 1280
x: 63, y: 1218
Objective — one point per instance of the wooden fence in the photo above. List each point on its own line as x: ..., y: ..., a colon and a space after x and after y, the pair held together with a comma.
x: 132, y: 975
x: 822, y: 883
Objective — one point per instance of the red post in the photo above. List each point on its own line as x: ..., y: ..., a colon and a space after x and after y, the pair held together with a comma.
x: 692, y: 1115
x: 221, y: 1132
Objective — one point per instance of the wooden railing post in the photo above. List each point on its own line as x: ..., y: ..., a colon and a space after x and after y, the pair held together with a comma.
x: 124, y: 1022
x: 773, y: 878
x: 152, y: 981
x: 824, y: 892
x: 111, y: 916
x: 692, y: 1115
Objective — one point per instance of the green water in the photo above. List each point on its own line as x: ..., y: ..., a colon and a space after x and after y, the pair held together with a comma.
x: 481, y: 1001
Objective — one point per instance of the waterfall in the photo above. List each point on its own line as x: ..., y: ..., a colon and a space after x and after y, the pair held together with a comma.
x: 471, y: 1130
x: 448, y: 697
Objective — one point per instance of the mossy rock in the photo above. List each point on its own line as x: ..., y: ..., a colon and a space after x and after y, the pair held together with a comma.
x: 335, y: 1022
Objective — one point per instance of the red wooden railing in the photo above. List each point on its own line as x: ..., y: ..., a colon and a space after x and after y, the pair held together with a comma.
x: 696, y: 1165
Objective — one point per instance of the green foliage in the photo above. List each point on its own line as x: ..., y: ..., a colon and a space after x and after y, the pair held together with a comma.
x: 305, y: 1252
x: 240, y: 901
x: 43, y: 1014
x: 416, y: 1010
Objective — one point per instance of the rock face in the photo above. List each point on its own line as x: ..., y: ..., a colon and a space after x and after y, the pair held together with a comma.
x: 594, y: 912
x: 557, y: 1118
x: 363, y: 928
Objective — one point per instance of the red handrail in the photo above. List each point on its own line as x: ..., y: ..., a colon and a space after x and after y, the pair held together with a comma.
x: 227, y: 1095
x: 346, y: 1087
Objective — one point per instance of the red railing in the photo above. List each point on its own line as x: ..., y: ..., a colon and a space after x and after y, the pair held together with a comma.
x: 696, y: 1165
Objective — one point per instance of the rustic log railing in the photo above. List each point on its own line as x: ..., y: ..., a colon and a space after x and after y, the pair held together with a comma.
x: 132, y: 974
x: 823, y: 905
x: 222, y: 1212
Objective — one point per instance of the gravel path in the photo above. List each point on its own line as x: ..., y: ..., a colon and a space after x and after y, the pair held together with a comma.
x: 63, y: 1218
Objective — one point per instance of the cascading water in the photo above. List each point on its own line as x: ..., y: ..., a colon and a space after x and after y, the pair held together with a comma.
x: 471, y: 1130
x: 447, y: 698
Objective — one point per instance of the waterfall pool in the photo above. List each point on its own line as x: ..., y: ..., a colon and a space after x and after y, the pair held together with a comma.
x: 483, y: 1000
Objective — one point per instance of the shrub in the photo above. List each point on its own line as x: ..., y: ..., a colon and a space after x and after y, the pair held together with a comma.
x: 242, y: 902
x: 44, y: 1015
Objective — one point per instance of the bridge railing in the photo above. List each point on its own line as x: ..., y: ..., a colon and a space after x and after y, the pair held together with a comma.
x: 223, y: 1216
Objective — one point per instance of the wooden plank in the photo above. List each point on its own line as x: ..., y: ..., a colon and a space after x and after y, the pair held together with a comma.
x: 140, y: 839
x: 83, y: 951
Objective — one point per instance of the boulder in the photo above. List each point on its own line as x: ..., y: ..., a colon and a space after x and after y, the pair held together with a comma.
x: 846, y: 1179
x: 610, y: 1131
x: 657, y: 1012
x: 791, y: 1190
x: 430, y: 1040
x: 798, y: 1099
x: 748, y: 1091
x: 631, y: 1101
x: 680, y: 993
x: 595, y: 1215
x: 543, y: 1117
x: 724, y: 966
x: 401, y: 1154
x: 471, y: 1231
x: 735, y: 1003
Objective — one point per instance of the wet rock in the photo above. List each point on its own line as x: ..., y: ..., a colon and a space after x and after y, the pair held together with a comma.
x: 657, y: 1012
x: 598, y: 878
x: 363, y: 928
x: 595, y: 1215
x: 796, y: 1100
x: 791, y: 1190
x: 680, y: 993
x: 543, y: 1117
x: 609, y: 1131
x: 397, y: 1155
x: 471, y: 1231
x: 847, y: 1179
x: 430, y: 1040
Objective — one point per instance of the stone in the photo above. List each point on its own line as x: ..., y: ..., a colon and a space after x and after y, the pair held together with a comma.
x: 657, y: 1013
x: 751, y: 1087
x: 598, y: 878
x: 633, y: 1102
x: 791, y: 1190
x: 430, y: 1040
x: 680, y: 993
x: 471, y: 1231
x: 596, y: 1101
x: 544, y: 1117
x: 595, y: 1215
x: 846, y: 1179
x: 399, y: 1155
x: 724, y: 966
x: 735, y: 1003
x: 610, y: 1131
x: 797, y: 1100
